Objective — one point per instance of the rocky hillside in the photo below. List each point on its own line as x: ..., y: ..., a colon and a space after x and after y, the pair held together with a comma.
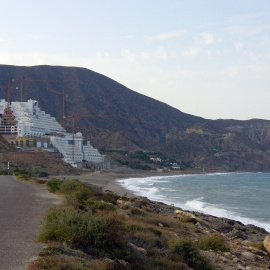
x: 137, y: 122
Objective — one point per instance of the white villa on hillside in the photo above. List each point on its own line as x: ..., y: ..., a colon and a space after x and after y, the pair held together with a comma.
x: 31, y: 121
x: 32, y: 127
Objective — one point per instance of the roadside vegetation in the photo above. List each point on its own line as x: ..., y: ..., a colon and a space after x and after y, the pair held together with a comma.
x: 99, y: 230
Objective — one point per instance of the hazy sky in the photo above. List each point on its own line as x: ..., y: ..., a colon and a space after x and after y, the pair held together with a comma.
x: 209, y: 58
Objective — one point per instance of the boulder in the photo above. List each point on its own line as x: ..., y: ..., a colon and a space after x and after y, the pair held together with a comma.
x: 185, y: 216
x: 248, y: 255
x: 266, y: 244
x: 123, y: 204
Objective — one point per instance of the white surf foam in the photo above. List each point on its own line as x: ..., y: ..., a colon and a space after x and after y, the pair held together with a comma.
x: 200, y: 206
x: 145, y: 187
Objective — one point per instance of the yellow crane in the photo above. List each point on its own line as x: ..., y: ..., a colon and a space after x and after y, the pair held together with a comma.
x: 26, y: 80
x: 8, y: 88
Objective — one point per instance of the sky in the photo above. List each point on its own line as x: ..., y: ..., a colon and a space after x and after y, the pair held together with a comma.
x: 209, y: 58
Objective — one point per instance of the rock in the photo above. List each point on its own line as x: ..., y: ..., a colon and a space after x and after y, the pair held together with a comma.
x: 222, y: 227
x: 160, y: 225
x: 255, y: 229
x: 185, y: 216
x: 223, y: 259
x: 137, y: 252
x: 266, y: 244
x: 123, y: 204
x: 248, y: 268
x: 249, y: 255
x: 121, y: 262
x: 257, y: 252
x: 228, y: 255
x: 137, y: 204
x: 240, y: 267
x: 238, y: 234
x: 236, y: 260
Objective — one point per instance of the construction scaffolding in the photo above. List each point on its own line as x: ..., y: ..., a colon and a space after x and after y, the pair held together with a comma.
x: 8, y: 124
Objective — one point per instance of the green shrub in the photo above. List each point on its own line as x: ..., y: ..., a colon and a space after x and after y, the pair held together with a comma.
x: 4, y: 172
x: 213, y: 242
x: 54, y: 184
x: 259, y: 246
x: 108, y: 197
x: 22, y: 174
x: 135, y: 211
x: 94, y: 205
x: 78, y: 197
x: 43, y: 174
x: 69, y: 186
x: 98, y: 234
x: 186, y: 250
x: 132, y: 228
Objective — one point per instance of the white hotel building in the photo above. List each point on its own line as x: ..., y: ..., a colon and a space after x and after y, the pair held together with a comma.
x: 29, y: 123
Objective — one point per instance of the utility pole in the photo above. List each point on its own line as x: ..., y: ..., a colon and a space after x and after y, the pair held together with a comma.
x: 25, y: 80
x: 63, y: 94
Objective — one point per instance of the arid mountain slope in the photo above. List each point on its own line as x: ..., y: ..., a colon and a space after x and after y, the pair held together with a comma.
x: 137, y: 122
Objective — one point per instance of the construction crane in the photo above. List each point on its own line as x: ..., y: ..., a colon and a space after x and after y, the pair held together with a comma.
x: 63, y: 94
x: 8, y: 87
x: 73, y: 126
x: 25, y: 80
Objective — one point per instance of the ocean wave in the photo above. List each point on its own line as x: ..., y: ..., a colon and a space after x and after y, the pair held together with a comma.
x: 167, y: 194
x: 199, y: 205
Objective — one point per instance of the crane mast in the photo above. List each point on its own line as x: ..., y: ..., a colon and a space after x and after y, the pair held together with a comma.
x: 73, y: 127
x: 26, y: 80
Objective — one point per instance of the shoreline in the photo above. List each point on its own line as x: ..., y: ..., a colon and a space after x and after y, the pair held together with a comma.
x: 243, y: 240
x: 108, y: 181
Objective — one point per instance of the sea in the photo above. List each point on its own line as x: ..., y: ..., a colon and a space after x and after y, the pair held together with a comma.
x: 244, y: 197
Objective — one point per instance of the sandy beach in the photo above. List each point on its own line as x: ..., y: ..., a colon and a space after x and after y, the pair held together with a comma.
x: 108, y: 180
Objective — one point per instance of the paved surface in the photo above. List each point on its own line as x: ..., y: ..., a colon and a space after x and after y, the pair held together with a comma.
x: 22, y: 206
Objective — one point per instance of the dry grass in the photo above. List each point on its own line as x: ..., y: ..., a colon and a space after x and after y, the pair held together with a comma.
x: 259, y: 246
x: 64, y: 262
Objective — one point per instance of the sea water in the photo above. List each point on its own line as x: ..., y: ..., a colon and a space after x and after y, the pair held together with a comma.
x: 240, y: 196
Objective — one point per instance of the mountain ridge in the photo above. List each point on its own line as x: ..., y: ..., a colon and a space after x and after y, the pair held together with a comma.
x: 140, y: 122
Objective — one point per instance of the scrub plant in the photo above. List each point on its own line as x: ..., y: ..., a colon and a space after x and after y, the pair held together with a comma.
x: 99, y: 234
x: 54, y: 184
x: 190, y: 254
x: 213, y: 242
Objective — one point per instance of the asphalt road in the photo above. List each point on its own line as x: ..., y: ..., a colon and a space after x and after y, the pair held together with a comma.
x: 22, y: 206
